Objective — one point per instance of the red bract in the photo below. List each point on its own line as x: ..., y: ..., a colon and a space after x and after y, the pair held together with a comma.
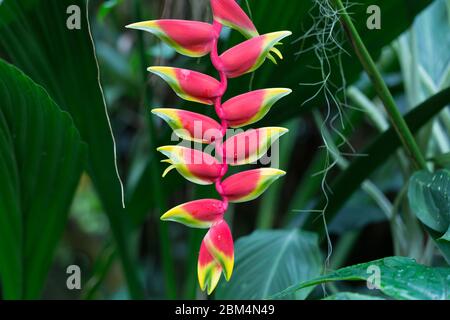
x: 189, y: 85
x: 196, y: 214
x: 190, y: 125
x: 196, y: 166
x: 196, y: 39
x: 251, y: 54
x: 228, y: 13
x: 251, y: 107
x: 219, y: 243
x: 191, y: 38
x: 249, y: 185
x: 251, y: 145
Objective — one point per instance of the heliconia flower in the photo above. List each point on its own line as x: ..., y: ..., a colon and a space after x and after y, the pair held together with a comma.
x: 196, y: 39
x: 249, y: 146
x: 251, y: 54
x: 219, y: 243
x: 190, y: 125
x: 196, y: 214
x: 190, y: 38
x: 208, y: 270
x: 230, y: 14
x: 251, y: 107
x: 189, y: 85
x: 194, y: 165
x: 249, y: 185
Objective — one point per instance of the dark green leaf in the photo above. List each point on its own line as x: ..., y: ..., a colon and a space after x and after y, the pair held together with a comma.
x: 400, y: 278
x: 351, y: 296
x: 62, y: 60
x: 268, y: 261
x: 41, y: 161
x: 431, y: 30
x: 428, y: 195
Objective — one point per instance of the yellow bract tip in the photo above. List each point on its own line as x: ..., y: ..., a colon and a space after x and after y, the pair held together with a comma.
x: 160, y: 70
x: 166, y: 149
x: 170, y: 168
x: 165, y: 113
x: 169, y: 214
x: 277, y: 52
x: 277, y: 36
x: 142, y: 25
x: 273, y: 172
x: 280, y: 91
x: 277, y: 130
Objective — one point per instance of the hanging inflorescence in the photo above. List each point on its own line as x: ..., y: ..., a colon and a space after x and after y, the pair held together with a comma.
x: 197, y: 39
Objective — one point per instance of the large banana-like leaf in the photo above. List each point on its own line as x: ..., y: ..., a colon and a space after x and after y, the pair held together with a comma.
x: 398, y: 277
x: 268, y: 261
x: 41, y: 160
x: 35, y: 38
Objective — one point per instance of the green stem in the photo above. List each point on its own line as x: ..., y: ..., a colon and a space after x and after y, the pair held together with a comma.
x: 399, y: 124
x: 168, y: 264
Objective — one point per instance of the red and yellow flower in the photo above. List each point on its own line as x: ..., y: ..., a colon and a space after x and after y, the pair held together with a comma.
x: 190, y: 38
x: 195, y: 166
x: 216, y: 256
x: 190, y: 125
x: 196, y: 214
x: 249, y: 146
x: 251, y: 54
x: 249, y: 185
x: 251, y: 107
x: 197, y: 39
x: 189, y: 85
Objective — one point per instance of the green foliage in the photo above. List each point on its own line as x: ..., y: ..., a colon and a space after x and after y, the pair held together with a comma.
x: 268, y: 261
x: 429, y: 199
x: 347, y: 182
x: 63, y: 62
x: 351, y: 296
x: 42, y: 155
x: 400, y: 278
x: 106, y: 8
x: 41, y: 161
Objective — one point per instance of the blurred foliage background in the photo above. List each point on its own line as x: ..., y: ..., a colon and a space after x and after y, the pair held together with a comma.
x: 360, y: 177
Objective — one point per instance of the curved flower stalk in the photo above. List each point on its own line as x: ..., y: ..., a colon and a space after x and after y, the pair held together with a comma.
x: 196, y: 39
